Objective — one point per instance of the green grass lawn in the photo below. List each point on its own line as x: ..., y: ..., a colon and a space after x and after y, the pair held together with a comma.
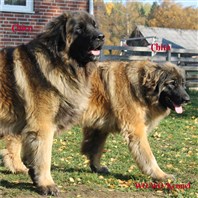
x: 174, y: 143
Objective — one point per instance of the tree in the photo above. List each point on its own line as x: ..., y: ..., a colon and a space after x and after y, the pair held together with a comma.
x: 117, y: 19
x: 153, y: 9
x: 172, y: 15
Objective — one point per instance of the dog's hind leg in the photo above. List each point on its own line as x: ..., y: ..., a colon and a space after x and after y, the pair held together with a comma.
x: 12, y: 154
x: 141, y: 151
x: 37, y: 148
x: 92, y: 147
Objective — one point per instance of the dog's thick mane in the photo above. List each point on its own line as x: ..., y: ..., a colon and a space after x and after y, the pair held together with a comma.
x: 54, y: 34
x: 146, y: 81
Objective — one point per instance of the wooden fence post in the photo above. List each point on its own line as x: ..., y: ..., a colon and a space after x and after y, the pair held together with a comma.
x: 169, y: 54
x: 101, y: 58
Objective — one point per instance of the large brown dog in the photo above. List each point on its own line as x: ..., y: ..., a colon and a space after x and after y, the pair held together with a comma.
x: 130, y: 98
x: 44, y: 87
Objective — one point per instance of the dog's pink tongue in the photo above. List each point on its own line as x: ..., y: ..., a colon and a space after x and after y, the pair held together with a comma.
x: 95, y: 52
x: 178, y: 109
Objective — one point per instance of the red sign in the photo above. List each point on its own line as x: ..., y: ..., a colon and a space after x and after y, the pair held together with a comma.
x: 21, y: 28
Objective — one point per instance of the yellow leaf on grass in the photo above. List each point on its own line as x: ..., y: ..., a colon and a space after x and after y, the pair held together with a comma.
x: 124, y: 183
x: 86, y: 161
x: 131, y: 168
x: 169, y: 166
x: 190, y: 152
x: 71, y: 179
x: 111, y: 186
x: 184, y: 149
x: 63, y: 143
x: 78, y: 179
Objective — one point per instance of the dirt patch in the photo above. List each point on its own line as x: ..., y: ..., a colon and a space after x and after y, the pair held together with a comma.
x: 83, y: 191
x: 88, y: 192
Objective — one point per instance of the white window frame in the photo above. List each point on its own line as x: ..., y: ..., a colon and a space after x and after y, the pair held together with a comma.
x: 28, y: 8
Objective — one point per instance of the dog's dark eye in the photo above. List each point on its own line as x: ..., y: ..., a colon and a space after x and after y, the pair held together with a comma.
x: 95, y: 25
x: 184, y: 84
x: 174, y: 82
x: 171, y: 84
x: 78, y: 30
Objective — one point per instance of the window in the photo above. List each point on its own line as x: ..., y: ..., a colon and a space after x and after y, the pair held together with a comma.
x: 16, y: 5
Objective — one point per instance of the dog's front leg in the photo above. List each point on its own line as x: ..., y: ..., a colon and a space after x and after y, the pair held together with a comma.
x: 37, y: 148
x: 139, y: 147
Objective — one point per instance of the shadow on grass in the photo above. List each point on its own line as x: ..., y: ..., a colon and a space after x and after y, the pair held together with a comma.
x: 5, y: 172
x: 111, y: 174
x: 124, y: 177
x: 16, y: 186
x: 70, y: 170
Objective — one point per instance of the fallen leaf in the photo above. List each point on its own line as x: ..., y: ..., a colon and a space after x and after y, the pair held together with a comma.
x: 169, y: 166
x: 71, y: 179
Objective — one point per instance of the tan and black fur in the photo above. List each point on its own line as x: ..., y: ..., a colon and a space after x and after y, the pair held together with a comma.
x: 129, y: 98
x: 44, y: 87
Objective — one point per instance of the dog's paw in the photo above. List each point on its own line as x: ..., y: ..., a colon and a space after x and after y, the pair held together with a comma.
x: 14, y: 164
x: 165, y: 177
x: 101, y: 170
x: 170, y: 177
x: 47, y: 187
x: 21, y: 169
x: 48, y: 190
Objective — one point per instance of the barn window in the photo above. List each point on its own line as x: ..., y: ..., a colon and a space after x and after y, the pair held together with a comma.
x: 16, y: 6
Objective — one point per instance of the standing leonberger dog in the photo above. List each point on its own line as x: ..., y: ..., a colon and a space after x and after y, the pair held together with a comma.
x: 130, y: 98
x: 44, y: 87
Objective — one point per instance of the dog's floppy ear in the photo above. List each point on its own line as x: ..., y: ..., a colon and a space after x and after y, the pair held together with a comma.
x: 152, y: 82
x: 55, y: 33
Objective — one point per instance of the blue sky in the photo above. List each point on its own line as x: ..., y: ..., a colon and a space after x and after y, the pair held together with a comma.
x: 185, y: 3
x: 188, y: 3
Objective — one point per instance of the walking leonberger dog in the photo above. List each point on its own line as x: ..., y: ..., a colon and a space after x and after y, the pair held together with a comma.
x: 130, y: 98
x: 44, y: 86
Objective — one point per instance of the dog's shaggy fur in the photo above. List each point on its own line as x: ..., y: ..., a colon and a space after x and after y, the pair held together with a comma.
x: 44, y: 87
x: 130, y: 98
